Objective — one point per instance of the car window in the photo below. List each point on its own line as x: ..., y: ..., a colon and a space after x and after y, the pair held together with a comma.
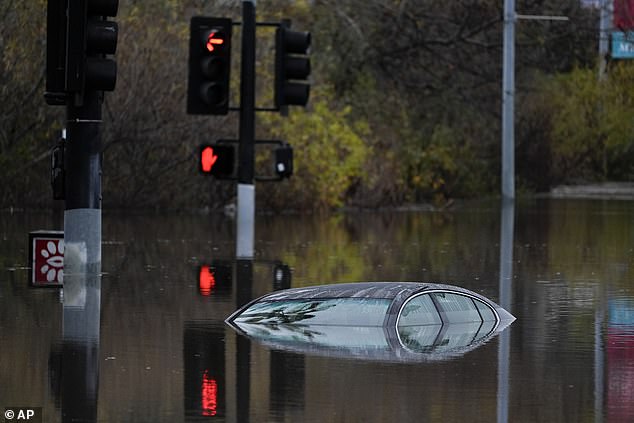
x: 335, y: 311
x: 486, y: 328
x: 419, y: 338
x: 485, y: 311
x: 338, y: 336
x: 456, y: 308
x: 419, y: 310
x: 457, y: 335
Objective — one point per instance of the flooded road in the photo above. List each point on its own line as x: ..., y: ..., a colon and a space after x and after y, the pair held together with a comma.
x: 147, y: 341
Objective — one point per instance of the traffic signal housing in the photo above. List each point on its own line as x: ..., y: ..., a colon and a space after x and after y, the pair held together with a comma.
x: 209, y: 66
x: 55, y: 52
x: 217, y: 160
x: 284, y: 161
x: 292, y: 67
x: 89, y: 39
x: 281, y: 276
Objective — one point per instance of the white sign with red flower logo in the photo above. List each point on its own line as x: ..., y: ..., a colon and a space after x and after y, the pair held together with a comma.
x: 46, y: 256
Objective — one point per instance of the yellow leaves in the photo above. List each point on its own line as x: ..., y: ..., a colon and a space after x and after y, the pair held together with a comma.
x: 437, y: 162
x: 329, y: 150
x: 592, y: 118
x: 301, y: 7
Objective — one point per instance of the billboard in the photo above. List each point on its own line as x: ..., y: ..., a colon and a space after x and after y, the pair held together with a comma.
x: 623, y: 17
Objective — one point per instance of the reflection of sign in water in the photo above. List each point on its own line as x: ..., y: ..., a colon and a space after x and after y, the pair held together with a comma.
x: 46, y: 258
x: 620, y: 360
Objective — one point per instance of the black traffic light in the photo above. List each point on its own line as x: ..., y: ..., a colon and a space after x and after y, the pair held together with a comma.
x: 281, y: 276
x: 55, y: 52
x: 209, y: 66
x: 217, y: 160
x: 284, y: 161
x: 292, y: 66
x: 89, y: 38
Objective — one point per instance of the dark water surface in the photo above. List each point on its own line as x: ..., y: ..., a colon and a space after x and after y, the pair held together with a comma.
x: 146, y: 342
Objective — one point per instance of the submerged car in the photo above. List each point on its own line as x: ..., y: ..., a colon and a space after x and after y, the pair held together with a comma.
x: 375, y: 320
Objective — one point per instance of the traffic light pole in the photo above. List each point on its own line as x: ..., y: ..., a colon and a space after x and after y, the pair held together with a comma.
x: 82, y: 215
x: 78, y: 40
x: 246, y: 151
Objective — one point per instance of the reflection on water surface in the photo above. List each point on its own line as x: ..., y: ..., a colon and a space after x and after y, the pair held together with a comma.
x: 164, y: 353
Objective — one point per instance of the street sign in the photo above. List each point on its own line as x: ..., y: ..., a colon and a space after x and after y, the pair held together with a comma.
x: 46, y: 258
x: 623, y: 45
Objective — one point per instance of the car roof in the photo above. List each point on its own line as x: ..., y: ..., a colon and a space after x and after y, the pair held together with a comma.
x: 388, y: 290
x: 397, y: 292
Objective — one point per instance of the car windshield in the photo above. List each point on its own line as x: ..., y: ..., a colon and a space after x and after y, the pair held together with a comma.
x: 333, y: 311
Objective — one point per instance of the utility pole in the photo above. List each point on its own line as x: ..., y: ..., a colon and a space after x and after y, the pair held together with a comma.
x: 507, y: 229
x: 508, y: 94
x: 605, y: 13
x: 508, y: 102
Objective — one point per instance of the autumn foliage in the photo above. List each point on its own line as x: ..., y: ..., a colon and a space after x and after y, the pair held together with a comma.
x: 405, y: 105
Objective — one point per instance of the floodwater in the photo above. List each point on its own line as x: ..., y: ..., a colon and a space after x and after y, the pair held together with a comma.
x: 147, y: 342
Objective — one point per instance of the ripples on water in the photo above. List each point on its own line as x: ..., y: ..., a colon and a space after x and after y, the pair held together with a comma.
x: 163, y: 353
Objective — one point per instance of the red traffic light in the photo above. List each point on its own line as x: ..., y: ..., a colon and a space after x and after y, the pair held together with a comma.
x: 214, y: 39
x: 209, y: 81
x: 206, y: 280
x: 207, y: 159
x: 217, y: 160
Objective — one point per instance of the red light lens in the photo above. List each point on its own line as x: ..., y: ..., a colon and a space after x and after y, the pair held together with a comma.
x: 214, y: 39
x: 206, y: 281
x: 209, y: 394
x: 207, y: 159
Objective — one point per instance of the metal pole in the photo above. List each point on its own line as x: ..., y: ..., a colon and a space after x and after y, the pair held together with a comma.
x: 244, y: 294
x: 80, y: 347
x: 246, y: 152
x: 599, y: 360
x: 605, y: 11
x: 507, y: 229
x: 82, y: 214
x: 508, y: 99
x: 508, y: 94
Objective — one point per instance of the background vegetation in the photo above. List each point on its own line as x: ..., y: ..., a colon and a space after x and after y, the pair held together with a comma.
x: 405, y: 104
